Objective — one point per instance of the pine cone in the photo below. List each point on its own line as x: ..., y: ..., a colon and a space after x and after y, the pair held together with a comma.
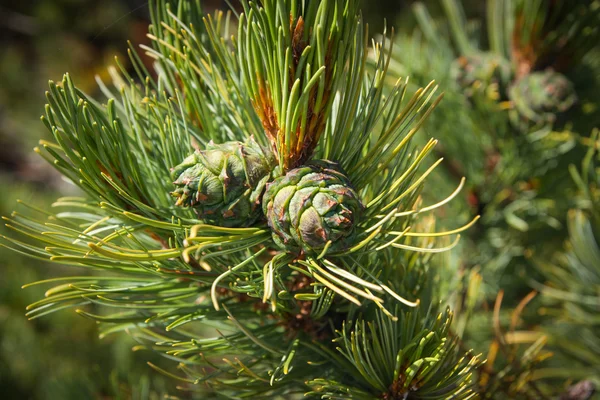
x: 480, y: 71
x: 542, y: 96
x: 224, y: 182
x: 310, y: 206
x: 583, y: 390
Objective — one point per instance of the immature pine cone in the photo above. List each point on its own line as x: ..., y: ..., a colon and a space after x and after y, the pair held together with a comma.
x: 310, y: 206
x: 224, y: 182
x: 482, y: 68
x: 541, y: 96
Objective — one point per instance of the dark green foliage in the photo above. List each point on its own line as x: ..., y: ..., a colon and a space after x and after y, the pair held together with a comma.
x: 513, y: 135
x: 509, y: 136
x: 552, y: 33
x: 571, y: 290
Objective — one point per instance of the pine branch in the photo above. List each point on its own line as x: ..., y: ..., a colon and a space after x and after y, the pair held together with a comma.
x: 211, y: 284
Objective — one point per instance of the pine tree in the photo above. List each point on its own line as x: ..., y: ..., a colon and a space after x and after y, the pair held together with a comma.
x: 251, y: 206
x: 259, y: 206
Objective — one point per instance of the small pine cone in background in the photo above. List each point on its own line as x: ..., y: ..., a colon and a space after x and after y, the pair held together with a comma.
x: 482, y: 71
x: 541, y: 97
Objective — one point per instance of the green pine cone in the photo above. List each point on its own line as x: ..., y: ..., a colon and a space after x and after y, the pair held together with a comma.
x: 542, y: 96
x: 479, y: 71
x: 224, y: 182
x: 311, y: 206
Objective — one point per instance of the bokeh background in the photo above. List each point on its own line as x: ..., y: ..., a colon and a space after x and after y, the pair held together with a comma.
x: 62, y: 357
